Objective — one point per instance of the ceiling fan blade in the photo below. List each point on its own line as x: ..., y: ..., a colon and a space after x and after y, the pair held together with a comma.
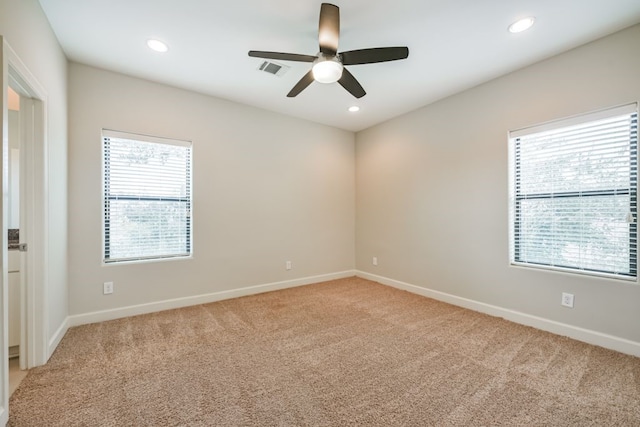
x: 305, y: 81
x: 329, y: 29
x: 282, y: 56
x: 376, y: 54
x: 350, y: 83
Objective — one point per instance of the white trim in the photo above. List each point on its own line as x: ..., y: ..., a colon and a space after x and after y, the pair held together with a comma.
x: 576, y: 120
x: 586, y: 335
x: 134, y: 310
x: 27, y: 81
x: 130, y: 136
x: 566, y: 270
x: 4, y: 277
x: 57, y: 336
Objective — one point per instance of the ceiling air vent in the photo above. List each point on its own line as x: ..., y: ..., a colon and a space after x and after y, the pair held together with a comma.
x: 273, y: 68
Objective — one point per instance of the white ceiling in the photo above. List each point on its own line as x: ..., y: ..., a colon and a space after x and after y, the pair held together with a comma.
x: 453, y: 45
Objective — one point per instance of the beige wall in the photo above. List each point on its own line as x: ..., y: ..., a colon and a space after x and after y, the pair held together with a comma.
x: 432, y: 189
x: 431, y: 199
x: 26, y: 29
x: 267, y: 188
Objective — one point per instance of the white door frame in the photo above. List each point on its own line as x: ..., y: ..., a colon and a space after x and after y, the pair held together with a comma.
x: 31, y: 301
x: 34, y: 347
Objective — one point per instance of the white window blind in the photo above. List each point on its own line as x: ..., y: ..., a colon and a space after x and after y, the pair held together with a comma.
x: 573, y: 194
x: 147, y: 197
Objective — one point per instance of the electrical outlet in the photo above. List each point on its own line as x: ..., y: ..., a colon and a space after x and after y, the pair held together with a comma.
x: 567, y: 300
x: 107, y: 288
x: 288, y: 265
x: 374, y: 261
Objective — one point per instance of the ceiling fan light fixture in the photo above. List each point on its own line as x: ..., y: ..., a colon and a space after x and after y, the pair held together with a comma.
x: 354, y: 109
x: 328, y: 64
x: 522, y: 24
x: 327, y: 69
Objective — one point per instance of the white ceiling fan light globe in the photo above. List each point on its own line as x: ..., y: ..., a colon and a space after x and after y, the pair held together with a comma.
x: 327, y: 70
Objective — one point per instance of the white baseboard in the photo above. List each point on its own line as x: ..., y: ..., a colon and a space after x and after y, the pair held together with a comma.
x: 57, y: 337
x: 592, y: 337
x: 134, y: 310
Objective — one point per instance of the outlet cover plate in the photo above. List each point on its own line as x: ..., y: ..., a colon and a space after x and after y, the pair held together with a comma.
x: 567, y: 300
x: 107, y: 288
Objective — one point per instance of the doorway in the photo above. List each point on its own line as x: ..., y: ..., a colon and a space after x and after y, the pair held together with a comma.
x: 33, y: 212
x: 15, y: 260
x: 33, y: 348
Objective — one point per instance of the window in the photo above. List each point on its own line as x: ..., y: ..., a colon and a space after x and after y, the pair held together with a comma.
x: 573, y: 194
x: 147, y: 197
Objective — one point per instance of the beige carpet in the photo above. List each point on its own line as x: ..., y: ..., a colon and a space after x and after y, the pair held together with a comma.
x: 346, y: 352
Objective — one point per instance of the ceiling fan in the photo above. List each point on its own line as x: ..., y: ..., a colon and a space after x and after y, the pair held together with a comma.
x: 328, y: 64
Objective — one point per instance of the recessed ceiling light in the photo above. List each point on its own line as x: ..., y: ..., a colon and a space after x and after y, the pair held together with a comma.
x: 354, y: 108
x: 157, y: 45
x: 522, y: 24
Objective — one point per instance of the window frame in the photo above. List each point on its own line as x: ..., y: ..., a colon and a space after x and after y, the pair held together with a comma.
x: 107, y: 198
x: 516, y: 196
